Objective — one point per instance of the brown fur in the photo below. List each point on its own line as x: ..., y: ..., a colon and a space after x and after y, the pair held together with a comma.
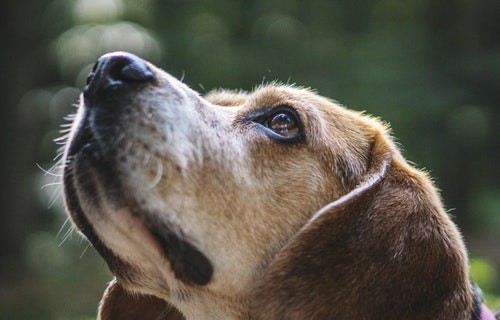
x: 117, y: 303
x: 337, y: 226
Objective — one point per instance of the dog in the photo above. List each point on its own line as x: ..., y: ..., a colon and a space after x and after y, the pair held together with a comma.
x: 271, y: 204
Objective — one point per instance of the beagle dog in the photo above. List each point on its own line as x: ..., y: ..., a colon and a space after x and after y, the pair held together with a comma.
x: 271, y: 204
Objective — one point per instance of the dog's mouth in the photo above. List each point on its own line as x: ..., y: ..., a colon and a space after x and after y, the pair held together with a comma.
x: 93, y: 187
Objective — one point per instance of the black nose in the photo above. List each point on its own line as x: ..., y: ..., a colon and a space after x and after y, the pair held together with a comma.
x: 118, y: 68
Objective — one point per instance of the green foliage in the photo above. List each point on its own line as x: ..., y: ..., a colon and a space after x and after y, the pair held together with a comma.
x: 66, y: 280
x: 487, y: 278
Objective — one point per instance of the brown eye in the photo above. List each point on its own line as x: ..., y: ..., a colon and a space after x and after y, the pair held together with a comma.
x: 285, y: 124
x: 281, y: 123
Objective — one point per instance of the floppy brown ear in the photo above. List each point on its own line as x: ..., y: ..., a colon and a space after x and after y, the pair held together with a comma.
x: 386, y: 250
x: 119, y: 304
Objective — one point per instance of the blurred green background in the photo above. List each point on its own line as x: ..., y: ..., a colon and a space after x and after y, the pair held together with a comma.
x: 430, y: 68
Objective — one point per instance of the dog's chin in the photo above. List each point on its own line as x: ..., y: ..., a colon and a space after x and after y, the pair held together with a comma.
x: 124, y: 234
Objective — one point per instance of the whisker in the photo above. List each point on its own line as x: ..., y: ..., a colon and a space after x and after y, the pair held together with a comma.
x: 57, y: 158
x: 158, y: 176
x: 62, y: 139
x: 164, y: 312
x: 51, y: 184
x: 56, y: 195
x: 67, y: 235
x: 70, y: 117
x: 47, y: 172
x: 62, y: 227
x: 85, y: 250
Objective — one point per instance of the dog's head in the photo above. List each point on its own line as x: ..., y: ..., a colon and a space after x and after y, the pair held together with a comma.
x: 272, y: 204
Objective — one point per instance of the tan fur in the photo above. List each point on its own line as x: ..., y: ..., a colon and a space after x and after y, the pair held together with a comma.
x: 337, y: 226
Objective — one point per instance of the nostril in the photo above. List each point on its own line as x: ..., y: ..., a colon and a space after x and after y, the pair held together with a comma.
x: 90, y: 77
x: 135, y: 72
x: 127, y: 68
x: 92, y: 73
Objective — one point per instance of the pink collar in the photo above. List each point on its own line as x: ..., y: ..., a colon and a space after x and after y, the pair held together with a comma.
x: 486, y: 313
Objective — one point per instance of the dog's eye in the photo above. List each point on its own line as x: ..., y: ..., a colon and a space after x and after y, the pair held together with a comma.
x: 284, y: 123
x: 281, y: 123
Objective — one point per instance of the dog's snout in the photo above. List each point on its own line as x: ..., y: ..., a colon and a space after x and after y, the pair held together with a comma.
x: 119, y: 68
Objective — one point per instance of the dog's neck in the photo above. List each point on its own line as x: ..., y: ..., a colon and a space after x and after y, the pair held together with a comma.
x: 206, y: 305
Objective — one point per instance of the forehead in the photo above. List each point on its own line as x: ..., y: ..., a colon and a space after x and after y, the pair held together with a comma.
x: 269, y: 96
x: 325, y: 121
x: 272, y: 96
x: 266, y: 95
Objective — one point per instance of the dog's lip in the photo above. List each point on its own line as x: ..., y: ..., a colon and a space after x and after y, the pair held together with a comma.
x: 130, y: 234
x: 83, y: 137
x: 188, y: 263
x: 84, y: 143
x: 129, y: 225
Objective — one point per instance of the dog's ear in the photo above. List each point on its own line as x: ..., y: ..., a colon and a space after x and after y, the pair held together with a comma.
x: 119, y: 304
x: 385, y: 250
